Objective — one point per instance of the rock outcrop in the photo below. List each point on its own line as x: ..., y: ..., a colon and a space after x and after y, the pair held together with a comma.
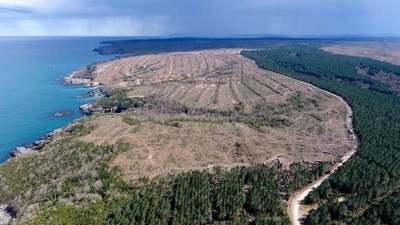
x: 87, y: 109
x: 90, y: 109
x: 37, y: 145
x: 19, y: 151
x: 76, y: 78
x: 54, y: 133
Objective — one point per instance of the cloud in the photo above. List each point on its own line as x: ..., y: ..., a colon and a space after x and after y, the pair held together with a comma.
x: 14, y: 10
x: 199, y: 17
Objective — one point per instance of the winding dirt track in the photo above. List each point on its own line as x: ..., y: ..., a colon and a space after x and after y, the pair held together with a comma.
x: 298, y: 197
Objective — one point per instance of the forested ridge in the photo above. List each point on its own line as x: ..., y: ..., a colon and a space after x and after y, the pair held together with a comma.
x: 370, y: 180
x: 241, y: 195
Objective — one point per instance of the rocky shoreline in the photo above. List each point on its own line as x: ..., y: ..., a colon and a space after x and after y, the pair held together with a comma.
x: 37, y: 145
x: 73, y: 78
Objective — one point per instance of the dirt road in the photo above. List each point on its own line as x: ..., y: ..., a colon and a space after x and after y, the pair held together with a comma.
x: 298, y: 197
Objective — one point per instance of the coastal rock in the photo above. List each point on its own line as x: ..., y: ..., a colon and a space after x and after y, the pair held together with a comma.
x: 38, y: 145
x: 75, y: 79
x: 39, y: 142
x: 5, y: 216
x: 54, y: 133
x: 21, y: 151
x: 71, y: 80
x: 90, y: 109
x: 86, y: 109
x: 62, y: 113
x: 35, y: 146
x: 57, y: 131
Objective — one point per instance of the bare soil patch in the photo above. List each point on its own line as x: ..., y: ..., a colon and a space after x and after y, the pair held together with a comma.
x: 388, y: 51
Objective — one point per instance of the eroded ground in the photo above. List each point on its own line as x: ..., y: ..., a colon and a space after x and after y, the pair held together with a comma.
x: 219, y: 80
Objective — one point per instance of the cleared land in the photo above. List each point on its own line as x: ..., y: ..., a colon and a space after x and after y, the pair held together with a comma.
x: 388, y: 51
x: 217, y: 79
x: 221, y: 80
x: 383, y: 51
x: 221, y: 111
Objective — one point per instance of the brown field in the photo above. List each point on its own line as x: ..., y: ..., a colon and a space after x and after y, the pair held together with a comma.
x: 216, y: 79
x: 388, y: 51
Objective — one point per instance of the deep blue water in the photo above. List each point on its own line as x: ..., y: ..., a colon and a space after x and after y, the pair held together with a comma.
x: 30, y: 94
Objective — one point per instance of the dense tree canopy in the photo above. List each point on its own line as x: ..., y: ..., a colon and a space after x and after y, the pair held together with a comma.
x: 367, y: 180
x: 241, y: 195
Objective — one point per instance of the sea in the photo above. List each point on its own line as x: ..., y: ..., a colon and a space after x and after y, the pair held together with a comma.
x: 31, y: 93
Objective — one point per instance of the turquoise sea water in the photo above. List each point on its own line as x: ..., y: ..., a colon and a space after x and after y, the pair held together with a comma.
x: 30, y: 94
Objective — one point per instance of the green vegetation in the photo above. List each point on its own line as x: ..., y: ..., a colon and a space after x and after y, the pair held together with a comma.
x: 87, y: 72
x: 127, y: 119
x: 69, y: 184
x: 367, y: 180
x: 263, y: 115
x: 386, y: 212
x: 221, y: 197
x: 152, y: 46
x: 116, y: 101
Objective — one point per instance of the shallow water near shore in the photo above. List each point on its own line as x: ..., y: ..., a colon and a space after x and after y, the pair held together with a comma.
x: 30, y: 91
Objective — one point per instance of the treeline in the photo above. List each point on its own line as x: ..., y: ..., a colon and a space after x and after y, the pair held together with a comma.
x: 154, y: 46
x: 373, y: 173
x: 242, y: 195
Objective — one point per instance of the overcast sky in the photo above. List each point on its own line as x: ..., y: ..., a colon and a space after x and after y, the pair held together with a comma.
x: 198, y: 17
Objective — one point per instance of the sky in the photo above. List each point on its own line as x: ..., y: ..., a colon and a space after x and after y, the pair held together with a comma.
x: 199, y: 17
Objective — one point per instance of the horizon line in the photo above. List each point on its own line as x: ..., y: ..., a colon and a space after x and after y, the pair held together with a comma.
x: 241, y: 36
